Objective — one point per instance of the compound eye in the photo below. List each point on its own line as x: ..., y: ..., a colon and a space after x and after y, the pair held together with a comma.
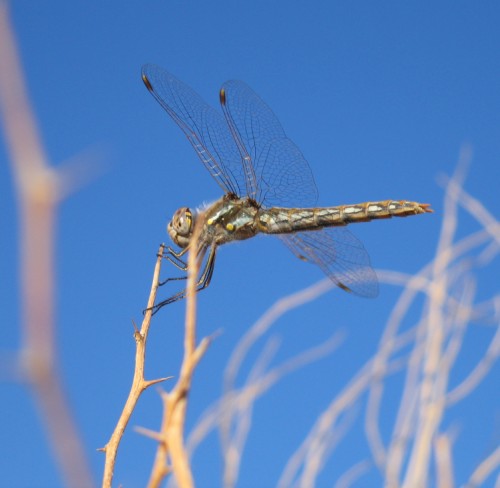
x: 183, y: 221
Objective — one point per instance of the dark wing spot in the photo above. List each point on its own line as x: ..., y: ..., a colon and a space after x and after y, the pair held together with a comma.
x: 222, y: 96
x: 344, y: 287
x: 147, y: 83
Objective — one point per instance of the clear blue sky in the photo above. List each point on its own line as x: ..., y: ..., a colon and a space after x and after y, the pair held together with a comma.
x: 379, y: 96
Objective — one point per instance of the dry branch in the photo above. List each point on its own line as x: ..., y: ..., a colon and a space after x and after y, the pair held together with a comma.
x: 39, y: 188
x: 437, y: 338
x: 139, y: 383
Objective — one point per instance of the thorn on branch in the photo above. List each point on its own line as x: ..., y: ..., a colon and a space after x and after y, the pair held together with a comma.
x: 149, y: 383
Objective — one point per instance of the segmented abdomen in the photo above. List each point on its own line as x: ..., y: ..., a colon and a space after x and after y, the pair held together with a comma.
x: 285, y: 220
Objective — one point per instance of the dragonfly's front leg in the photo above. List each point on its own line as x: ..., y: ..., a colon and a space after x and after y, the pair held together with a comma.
x: 203, y: 281
x: 175, y: 258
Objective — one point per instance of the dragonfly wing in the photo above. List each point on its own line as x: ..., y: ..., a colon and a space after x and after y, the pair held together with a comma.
x: 204, y: 126
x: 276, y: 172
x: 339, y: 254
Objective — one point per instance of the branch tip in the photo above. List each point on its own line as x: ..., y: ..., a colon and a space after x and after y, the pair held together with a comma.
x: 152, y: 434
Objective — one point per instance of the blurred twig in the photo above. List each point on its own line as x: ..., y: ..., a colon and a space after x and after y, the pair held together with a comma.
x: 485, y: 468
x: 234, y: 411
x: 282, y: 306
x: 448, y: 286
x: 450, y: 289
x: 237, y: 405
x: 444, y: 461
x: 39, y: 189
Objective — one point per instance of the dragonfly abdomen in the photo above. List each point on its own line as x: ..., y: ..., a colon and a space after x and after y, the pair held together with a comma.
x: 285, y: 220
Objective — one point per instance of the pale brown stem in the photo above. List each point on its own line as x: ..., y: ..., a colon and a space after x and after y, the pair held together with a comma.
x: 485, y: 469
x: 38, y: 187
x: 444, y: 461
x: 139, y: 383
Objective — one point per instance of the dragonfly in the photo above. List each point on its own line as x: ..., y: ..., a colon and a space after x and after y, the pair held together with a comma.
x: 268, y: 188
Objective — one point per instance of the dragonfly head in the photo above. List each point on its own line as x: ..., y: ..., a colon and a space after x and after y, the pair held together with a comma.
x: 181, y: 227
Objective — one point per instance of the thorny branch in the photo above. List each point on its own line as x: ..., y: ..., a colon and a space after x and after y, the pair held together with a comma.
x: 139, y: 383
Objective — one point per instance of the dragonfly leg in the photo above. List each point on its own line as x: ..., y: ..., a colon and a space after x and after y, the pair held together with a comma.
x: 202, y: 283
x: 175, y: 257
x: 177, y: 254
x: 174, y: 278
x: 178, y: 264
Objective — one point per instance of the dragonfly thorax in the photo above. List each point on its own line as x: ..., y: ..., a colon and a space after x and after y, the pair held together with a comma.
x: 180, y: 228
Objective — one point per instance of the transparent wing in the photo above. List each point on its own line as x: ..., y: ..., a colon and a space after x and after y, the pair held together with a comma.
x: 340, y: 255
x: 204, y: 126
x: 276, y: 172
